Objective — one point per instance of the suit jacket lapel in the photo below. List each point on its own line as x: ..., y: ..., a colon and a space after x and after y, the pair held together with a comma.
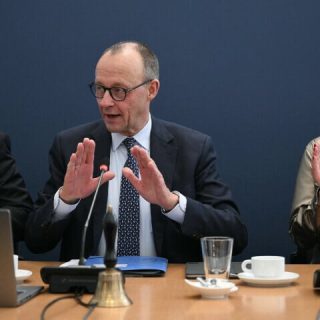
x: 163, y: 150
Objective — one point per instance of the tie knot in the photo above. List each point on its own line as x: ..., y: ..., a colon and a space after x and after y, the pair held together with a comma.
x: 129, y: 143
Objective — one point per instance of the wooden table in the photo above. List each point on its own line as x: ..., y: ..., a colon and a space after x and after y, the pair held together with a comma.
x: 170, y: 298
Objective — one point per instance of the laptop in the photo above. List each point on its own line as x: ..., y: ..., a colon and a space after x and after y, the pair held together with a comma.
x: 11, y: 294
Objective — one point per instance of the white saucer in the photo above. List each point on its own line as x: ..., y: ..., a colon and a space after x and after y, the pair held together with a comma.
x: 21, y: 275
x: 284, y: 280
x: 213, y: 292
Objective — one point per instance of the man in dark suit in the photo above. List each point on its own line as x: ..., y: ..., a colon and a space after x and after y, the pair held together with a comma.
x: 13, y: 192
x: 182, y: 197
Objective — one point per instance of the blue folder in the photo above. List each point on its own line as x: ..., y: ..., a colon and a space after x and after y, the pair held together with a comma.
x: 135, y: 265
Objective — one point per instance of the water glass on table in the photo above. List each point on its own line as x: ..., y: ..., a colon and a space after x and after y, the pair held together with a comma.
x: 217, y: 255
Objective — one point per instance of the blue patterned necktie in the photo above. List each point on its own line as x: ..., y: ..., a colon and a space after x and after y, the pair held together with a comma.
x: 129, y: 210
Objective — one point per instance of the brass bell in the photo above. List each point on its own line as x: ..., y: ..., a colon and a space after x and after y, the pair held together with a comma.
x: 110, y: 290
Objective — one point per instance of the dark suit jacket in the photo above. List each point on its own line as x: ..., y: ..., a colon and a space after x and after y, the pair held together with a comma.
x: 13, y: 192
x: 186, y: 159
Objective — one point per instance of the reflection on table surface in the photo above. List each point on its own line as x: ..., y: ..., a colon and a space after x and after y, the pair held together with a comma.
x: 169, y: 297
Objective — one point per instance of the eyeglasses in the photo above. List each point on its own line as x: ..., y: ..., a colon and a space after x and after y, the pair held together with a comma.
x: 116, y: 93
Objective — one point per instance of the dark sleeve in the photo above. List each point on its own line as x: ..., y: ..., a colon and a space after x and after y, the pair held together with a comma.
x: 302, y: 226
x: 13, y: 192
x: 304, y: 233
x: 212, y: 212
x: 42, y: 234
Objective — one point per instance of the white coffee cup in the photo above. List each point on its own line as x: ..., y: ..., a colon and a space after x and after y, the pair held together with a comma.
x: 265, y: 266
x: 15, y: 263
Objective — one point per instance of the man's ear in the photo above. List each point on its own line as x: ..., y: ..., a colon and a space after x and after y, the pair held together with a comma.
x: 153, y: 88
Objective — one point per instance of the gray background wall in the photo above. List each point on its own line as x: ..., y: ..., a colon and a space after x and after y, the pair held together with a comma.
x: 244, y: 72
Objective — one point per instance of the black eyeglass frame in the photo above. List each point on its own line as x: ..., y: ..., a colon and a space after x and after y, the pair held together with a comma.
x: 125, y: 90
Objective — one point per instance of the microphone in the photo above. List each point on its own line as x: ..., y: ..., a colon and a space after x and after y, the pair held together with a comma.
x: 82, y: 259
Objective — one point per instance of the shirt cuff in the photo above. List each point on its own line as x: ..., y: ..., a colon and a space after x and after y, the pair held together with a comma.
x: 178, y: 212
x: 61, y: 209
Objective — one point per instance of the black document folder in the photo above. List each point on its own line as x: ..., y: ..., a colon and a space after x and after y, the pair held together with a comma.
x: 195, y: 269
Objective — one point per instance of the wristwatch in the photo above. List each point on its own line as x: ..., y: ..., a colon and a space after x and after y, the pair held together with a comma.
x: 179, y: 202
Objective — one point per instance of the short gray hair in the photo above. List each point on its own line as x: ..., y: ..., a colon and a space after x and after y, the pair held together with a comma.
x: 149, y: 58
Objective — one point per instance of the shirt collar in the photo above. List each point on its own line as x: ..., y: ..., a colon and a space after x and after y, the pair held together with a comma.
x: 143, y: 137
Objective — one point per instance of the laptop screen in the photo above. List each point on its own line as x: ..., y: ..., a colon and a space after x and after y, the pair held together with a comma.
x: 10, y: 297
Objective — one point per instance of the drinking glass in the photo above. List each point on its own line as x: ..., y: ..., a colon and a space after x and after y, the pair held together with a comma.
x: 217, y: 255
